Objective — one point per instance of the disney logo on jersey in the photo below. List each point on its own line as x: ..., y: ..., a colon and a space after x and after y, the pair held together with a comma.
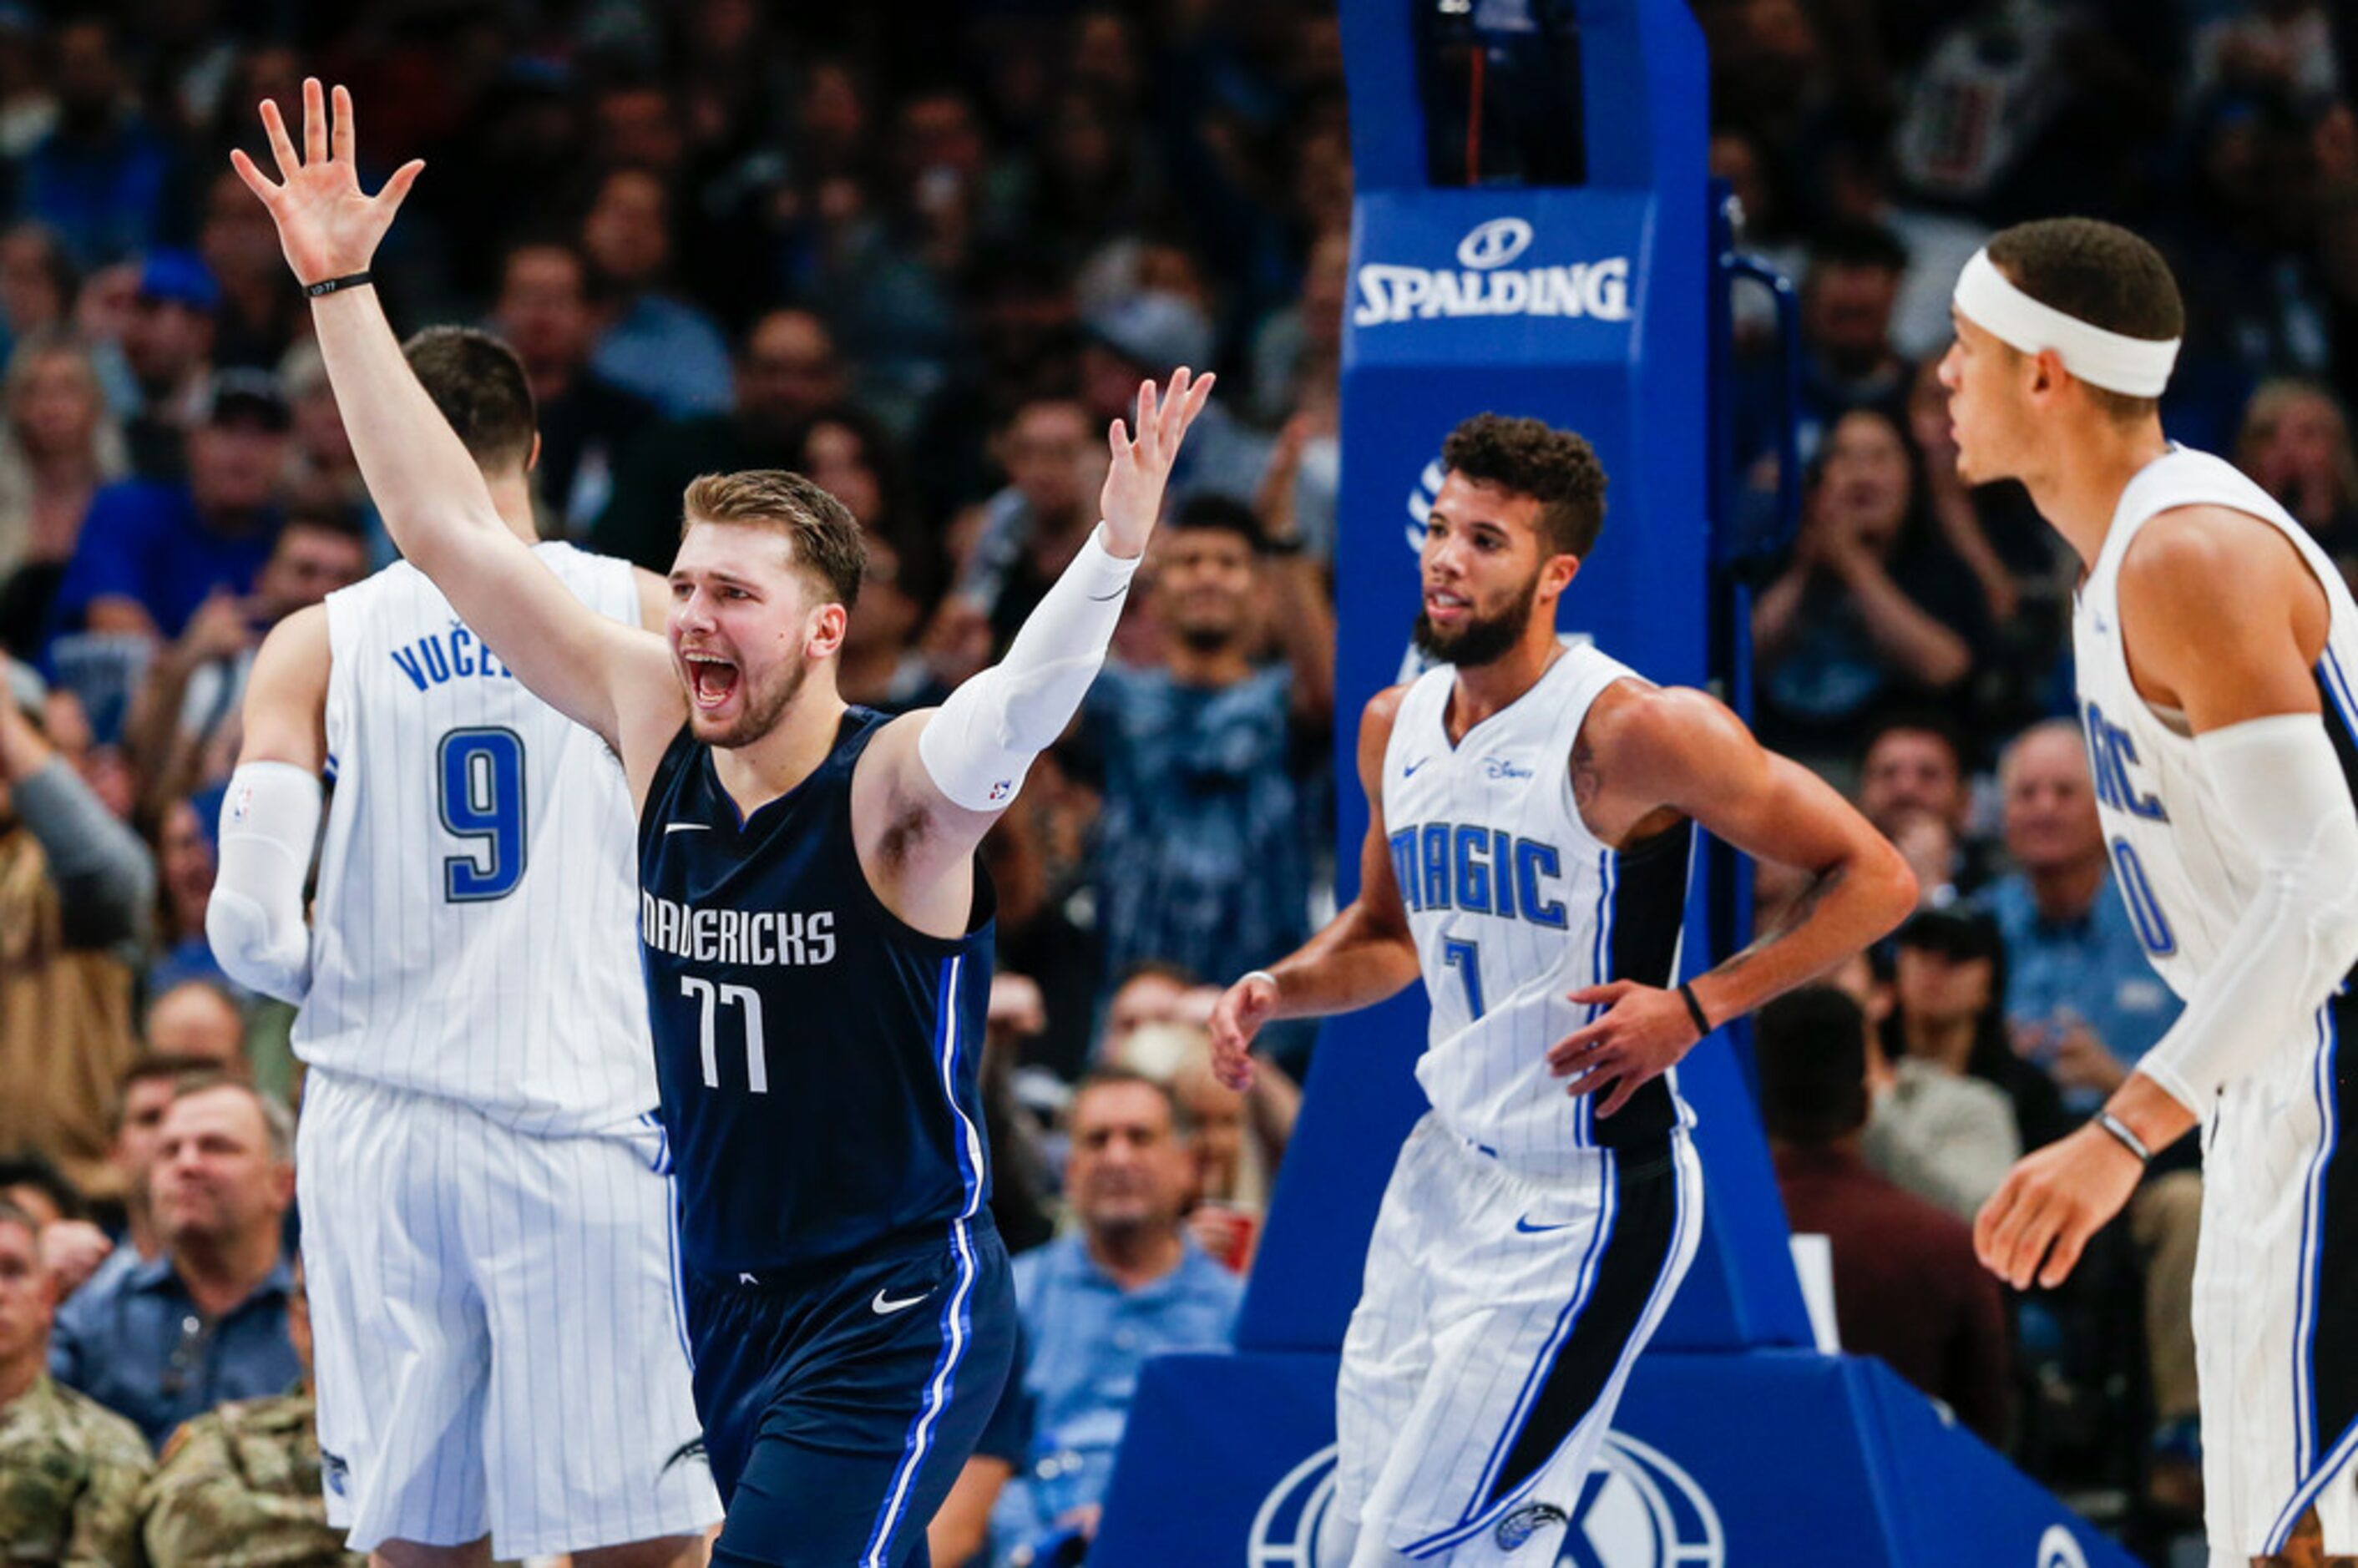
x: 1498, y: 769
x: 2111, y: 752
x: 1484, y: 284
x: 1636, y: 1509
x: 1479, y: 871
x: 759, y: 936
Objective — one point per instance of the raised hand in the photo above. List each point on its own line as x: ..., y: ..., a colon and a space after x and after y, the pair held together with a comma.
x: 326, y: 225
x: 1132, y: 496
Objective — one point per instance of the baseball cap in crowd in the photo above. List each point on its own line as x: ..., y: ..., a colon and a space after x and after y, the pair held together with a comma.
x: 242, y: 392
x: 1155, y: 329
x: 178, y: 278
x: 1952, y: 933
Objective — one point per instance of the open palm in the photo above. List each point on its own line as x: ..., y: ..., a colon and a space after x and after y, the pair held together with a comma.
x: 1132, y: 495
x: 326, y: 225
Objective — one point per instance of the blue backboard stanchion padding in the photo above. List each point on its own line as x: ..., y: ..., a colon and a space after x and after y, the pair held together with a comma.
x: 1766, y: 1459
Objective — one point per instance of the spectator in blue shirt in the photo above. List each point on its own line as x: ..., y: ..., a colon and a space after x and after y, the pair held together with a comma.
x: 151, y: 553
x: 1211, y: 762
x: 654, y: 345
x: 2080, y: 996
x: 206, y: 1320
x: 1128, y: 1284
x: 104, y: 179
x: 166, y: 347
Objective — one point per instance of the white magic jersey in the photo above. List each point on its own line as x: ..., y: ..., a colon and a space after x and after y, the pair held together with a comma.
x: 1514, y: 903
x: 473, y: 936
x: 2175, y: 853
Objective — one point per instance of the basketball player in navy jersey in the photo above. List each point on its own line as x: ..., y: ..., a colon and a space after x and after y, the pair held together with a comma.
x: 1532, y: 810
x: 816, y: 937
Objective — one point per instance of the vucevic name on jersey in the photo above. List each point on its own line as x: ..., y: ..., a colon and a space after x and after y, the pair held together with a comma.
x: 1513, y: 905
x: 817, y: 1054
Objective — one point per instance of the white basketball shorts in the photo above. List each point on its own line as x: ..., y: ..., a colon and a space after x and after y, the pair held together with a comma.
x: 497, y: 1340
x: 2276, y: 1297
x: 1494, y: 1334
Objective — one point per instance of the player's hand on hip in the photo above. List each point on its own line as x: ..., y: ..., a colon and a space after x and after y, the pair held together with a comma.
x: 1141, y: 465
x: 326, y: 225
x: 2051, y: 1203
x: 1641, y: 1035
x: 1242, y: 1008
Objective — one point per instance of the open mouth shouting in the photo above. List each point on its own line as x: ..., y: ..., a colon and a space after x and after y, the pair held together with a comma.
x: 712, y: 680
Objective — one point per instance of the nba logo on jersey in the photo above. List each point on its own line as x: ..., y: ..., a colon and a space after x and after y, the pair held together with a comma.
x: 241, y: 805
x: 1001, y: 790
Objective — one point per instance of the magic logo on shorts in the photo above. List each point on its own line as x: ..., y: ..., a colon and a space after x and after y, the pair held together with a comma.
x: 1636, y: 1509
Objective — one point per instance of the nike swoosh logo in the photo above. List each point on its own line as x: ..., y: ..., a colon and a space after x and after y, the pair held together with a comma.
x: 1409, y: 770
x: 687, y: 827
x: 1528, y: 1228
x: 884, y: 1307
x: 1108, y: 597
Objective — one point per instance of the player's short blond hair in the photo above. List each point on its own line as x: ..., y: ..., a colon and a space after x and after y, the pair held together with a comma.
x: 827, y: 539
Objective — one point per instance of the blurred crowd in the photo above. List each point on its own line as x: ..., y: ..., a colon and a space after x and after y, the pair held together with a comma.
x: 924, y: 253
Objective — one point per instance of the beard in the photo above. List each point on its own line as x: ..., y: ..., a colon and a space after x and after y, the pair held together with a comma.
x: 1483, y: 639
x: 761, y: 710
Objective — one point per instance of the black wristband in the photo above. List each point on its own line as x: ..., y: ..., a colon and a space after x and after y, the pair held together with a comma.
x: 1695, y: 1008
x: 2125, y: 1138
x: 330, y: 286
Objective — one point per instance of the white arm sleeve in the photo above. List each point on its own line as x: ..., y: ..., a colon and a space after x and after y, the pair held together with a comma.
x: 2284, y: 791
x: 254, y: 920
x: 979, y: 745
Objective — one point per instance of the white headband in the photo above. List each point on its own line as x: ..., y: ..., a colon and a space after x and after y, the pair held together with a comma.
x: 2138, y: 367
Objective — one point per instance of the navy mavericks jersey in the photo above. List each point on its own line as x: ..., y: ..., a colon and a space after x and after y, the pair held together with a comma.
x: 818, y: 1057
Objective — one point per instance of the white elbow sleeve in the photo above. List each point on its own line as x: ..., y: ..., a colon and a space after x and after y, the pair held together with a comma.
x: 2282, y: 788
x: 269, y: 820
x: 977, y: 745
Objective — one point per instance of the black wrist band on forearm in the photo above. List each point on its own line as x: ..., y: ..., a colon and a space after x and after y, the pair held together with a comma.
x: 1695, y: 1008
x: 330, y: 286
x: 2122, y: 1134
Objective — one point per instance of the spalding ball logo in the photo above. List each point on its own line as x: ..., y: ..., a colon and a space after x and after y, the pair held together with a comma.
x: 1494, y: 244
x: 2057, y: 1549
x: 1636, y: 1509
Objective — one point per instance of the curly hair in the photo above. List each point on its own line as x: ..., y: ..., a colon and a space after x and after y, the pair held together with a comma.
x: 1527, y: 457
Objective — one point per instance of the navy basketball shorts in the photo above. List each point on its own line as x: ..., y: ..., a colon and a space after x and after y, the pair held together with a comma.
x: 839, y: 1401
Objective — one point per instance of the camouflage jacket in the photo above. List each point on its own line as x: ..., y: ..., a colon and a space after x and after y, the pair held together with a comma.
x: 239, y: 1487
x: 69, y: 1477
